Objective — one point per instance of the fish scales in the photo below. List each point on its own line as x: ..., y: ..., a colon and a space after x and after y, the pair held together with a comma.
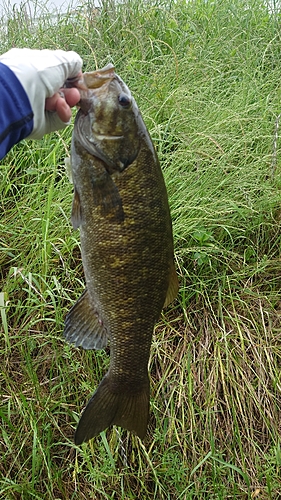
x: 121, y: 207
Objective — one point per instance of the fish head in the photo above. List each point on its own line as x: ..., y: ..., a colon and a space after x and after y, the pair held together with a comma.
x: 107, y: 123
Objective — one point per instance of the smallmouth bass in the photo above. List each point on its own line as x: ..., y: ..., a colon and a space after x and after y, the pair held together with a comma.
x: 121, y: 207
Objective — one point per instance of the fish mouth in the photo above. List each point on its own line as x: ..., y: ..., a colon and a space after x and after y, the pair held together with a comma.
x: 91, y: 80
x: 96, y: 79
x: 112, y: 137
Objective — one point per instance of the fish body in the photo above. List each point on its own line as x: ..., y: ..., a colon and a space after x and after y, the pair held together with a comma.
x: 121, y: 207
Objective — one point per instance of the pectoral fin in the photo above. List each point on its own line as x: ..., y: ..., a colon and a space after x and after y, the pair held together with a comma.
x: 83, y: 326
x: 173, y: 287
x: 76, y: 215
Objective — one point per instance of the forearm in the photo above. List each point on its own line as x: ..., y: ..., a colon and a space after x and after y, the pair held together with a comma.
x: 16, y: 115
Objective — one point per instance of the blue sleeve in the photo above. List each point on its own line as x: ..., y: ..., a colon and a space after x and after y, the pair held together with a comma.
x: 16, y: 115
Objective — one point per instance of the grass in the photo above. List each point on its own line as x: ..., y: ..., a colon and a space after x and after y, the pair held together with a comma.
x: 206, y: 76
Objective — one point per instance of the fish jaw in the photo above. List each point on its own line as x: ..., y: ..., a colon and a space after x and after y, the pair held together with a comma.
x: 91, y: 80
x: 95, y: 79
x: 88, y: 82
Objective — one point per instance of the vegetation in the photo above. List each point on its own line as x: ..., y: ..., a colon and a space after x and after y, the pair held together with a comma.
x: 206, y: 76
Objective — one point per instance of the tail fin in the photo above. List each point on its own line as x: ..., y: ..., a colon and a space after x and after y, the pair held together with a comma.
x: 107, y: 407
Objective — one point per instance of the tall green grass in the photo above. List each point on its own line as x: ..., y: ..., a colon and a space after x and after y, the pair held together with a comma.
x: 206, y: 76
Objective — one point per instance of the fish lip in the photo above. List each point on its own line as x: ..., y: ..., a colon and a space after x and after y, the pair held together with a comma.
x: 91, y: 80
x: 96, y: 79
x: 111, y: 137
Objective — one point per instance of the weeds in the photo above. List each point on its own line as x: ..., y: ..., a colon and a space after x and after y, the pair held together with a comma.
x: 206, y: 76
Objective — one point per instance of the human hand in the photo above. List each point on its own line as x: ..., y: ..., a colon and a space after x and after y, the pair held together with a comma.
x: 42, y: 74
x: 62, y: 102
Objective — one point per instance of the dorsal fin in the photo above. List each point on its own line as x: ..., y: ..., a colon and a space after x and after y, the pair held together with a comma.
x: 173, y: 287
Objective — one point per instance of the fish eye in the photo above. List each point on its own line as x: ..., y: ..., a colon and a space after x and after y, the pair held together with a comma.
x: 124, y: 100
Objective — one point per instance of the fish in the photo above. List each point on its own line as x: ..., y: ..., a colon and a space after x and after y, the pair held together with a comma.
x: 121, y: 208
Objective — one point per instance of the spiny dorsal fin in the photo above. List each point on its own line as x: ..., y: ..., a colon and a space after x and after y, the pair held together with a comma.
x: 83, y: 326
x: 173, y: 287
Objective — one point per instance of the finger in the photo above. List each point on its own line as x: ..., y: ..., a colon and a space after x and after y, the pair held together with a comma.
x: 72, y: 96
x: 51, y: 102
x: 63, y: 110
x: 59, y: 105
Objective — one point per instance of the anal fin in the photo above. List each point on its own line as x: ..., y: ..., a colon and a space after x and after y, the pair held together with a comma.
x: 83, y: 326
